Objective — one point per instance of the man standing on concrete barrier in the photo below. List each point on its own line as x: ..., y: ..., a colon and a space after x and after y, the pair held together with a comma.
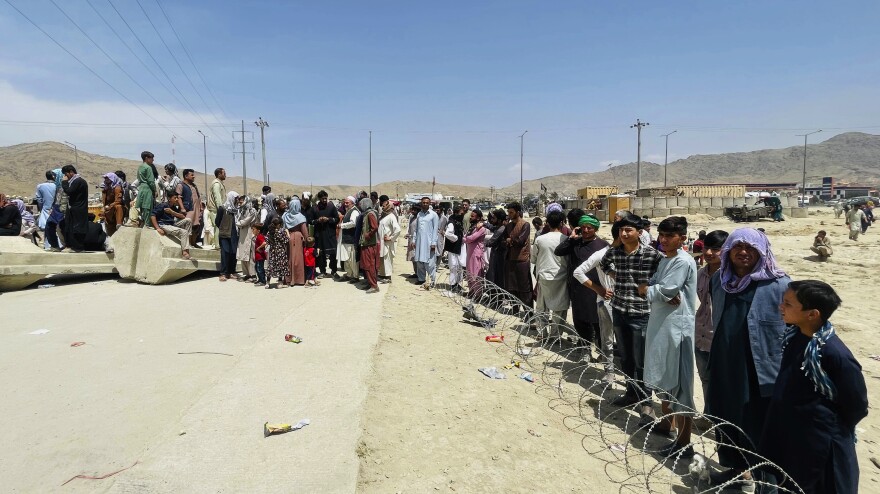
x: 192, y: 202
x: 216, y: 197
x: 169, y: 218
x: 146, y: 188
x: 423, y: 242
x: 77, y: 217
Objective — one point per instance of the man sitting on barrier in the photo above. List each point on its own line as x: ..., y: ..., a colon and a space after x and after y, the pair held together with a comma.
x: 170, y: 218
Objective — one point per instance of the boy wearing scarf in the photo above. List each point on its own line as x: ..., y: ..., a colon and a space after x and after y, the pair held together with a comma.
x: 818, y: 399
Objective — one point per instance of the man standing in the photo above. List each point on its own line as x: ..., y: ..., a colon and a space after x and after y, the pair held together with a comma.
x: 578, y: 247
x: 192, y: 202
x: 45, y: 198
x: 631, y: 264
x: 389, y: 230
x: 168, y: 218
x: 550, y: 273
x: 216, y: 197
x: 77, y: 217
x: 669, y: 342
x: 518, y: 276
x: 466, y: 204
x: 147, y: 190
x: 854, y: 219
x: 324, y: 224
x: 349, y: 240
x: 423, y: 242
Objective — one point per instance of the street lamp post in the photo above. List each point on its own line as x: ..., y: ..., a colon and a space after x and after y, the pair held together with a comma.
x: 370, y: 178
x: 75, y: 153
x: 666, y: 155
x: 521, y: 167
x: 205, y: 154
x: 804, y: 179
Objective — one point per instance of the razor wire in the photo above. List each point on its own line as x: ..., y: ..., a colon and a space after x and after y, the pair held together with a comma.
x: 552, y: 348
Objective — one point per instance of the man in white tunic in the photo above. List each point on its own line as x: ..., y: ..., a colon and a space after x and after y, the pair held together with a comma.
x: 347, y: 241
x: 389, y: 230
x: 423, y: 242
x: 551, y: 272
x: 454, y: 246
x: 854, y: 219
x: 669, y: 349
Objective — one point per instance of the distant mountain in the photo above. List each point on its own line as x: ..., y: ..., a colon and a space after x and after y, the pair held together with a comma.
x: 852, y: 156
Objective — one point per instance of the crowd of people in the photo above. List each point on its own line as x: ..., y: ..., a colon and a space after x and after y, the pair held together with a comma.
x: 775, y: 376
x: 766, y: 354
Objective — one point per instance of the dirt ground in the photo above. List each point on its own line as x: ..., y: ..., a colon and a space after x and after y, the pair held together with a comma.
x: 433, y: 423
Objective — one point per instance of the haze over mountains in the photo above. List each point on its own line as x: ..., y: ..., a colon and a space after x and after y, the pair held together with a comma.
x: 853, y: 157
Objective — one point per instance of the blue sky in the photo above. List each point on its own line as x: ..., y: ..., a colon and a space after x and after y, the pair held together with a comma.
x: 446, y: 88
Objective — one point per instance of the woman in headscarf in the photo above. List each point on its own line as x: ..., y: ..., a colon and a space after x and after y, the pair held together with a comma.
x: 746, y: 347
x: 474, y: 244
x: 54, y: 225
x: 279, y: 252
x: 228, y: 234
x: 111, y: 197
x: 10, y: 218
x: 247, y: 216
x: 267, y: 211
x: 295, y: 222
x: 369, y: 244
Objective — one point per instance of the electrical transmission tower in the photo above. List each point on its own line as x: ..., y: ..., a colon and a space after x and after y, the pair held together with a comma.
x: 262, y: 124
x: 244, y: 152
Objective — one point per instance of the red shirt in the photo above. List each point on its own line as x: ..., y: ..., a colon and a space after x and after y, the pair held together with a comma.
x: 309, y: 256
x: 260, y: 255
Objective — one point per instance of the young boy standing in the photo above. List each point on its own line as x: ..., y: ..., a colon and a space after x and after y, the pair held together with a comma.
x: 669, y: 342
x: 259, y: 254
x: 630, y: 264
x: 819, y: 396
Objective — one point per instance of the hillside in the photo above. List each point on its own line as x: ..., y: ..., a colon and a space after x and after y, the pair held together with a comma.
x: 851, y: 156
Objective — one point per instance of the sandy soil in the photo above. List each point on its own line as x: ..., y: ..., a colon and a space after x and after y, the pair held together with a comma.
x: 433, y: 423
x: 194, y: 422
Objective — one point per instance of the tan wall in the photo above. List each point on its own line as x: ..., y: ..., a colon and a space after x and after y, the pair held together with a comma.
x: 596, y: 192
x: 711, y: 190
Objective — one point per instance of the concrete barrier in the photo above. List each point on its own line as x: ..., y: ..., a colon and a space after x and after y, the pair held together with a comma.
x: 659, y: 213
x: 716, y: 202
x: 147, y: 257
x: 601, y: 215
x: 636, y: 202
x: 796, y: 212
x: 715, y: 212
x: 678, y: 211
x: 728, y: 202
x: 22, y: 263
x: 661, y: 202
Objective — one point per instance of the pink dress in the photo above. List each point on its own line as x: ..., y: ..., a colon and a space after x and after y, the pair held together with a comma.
x: 475, y: 263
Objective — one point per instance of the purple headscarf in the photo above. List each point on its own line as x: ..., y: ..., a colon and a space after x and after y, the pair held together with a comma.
x: 114, y: 180
x: 765, y: 269
x: 26, y: 216
x: 553, y: 206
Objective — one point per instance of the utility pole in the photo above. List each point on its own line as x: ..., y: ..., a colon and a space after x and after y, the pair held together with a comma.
x: 492, y: 194
x: 638, y: 126
x: 262, y: 124
x: 243, y: 152
x: 205, y: 154
x: 371, y: 162
x: 521, y: 167
x: 75, y: 153
x: 173, y: 151
x: 804, y: 201
x: 666, y: 156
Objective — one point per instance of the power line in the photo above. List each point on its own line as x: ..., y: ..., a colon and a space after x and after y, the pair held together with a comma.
x: 131, y: 50
x: 120, y: 93
x: 173, y: 57
x: 189, y: 56
x: 138, y: 84
x: 136, y: 37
